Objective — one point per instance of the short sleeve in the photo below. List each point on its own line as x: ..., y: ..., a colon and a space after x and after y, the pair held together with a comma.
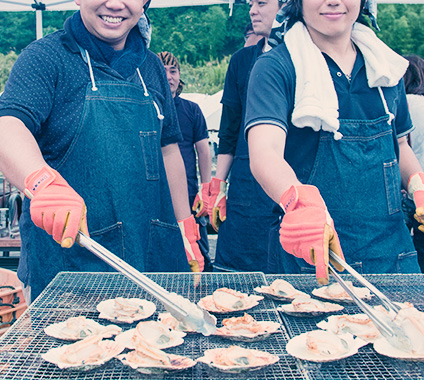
x: 200, y: 127
x: 270, y: 94
x: 29, y: 91
x: 402, y: 122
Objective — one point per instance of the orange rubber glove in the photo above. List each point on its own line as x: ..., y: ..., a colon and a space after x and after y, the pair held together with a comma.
x: 307, y: 230
x: 190, y: 231
x: 217, y: 203
x: 55, y: 206
x: 201, y: 202
x: 416, y: 192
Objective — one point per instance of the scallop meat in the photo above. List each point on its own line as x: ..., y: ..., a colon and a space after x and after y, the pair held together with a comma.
x: 226, y: 300
x: 125, y: 310
x: 236, y: 359
x: 281, y: 290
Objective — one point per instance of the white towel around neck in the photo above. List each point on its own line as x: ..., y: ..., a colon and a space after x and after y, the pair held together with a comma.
x: 316, y: 104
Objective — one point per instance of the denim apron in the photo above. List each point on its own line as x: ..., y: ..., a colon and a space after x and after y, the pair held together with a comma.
x: 243, y: 238
x: 115, y: 163
x: 359, y: 179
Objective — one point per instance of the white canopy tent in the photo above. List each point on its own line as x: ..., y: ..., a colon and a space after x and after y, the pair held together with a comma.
x: 210, y: 105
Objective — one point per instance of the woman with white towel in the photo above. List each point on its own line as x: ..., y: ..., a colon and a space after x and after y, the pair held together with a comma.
x: 326, y: 124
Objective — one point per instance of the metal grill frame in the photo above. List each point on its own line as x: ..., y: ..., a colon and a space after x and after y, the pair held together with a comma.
x: 77, y: 293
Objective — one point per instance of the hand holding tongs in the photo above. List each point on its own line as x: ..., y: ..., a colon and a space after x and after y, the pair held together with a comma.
x: 386, y: 326
x: 195, y: 318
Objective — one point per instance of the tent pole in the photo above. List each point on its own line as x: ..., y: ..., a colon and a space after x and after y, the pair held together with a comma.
x: 39, y: 23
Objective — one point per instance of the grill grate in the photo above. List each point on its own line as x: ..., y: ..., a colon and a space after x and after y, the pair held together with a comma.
x: 75, y: 294
x: 367, y: 364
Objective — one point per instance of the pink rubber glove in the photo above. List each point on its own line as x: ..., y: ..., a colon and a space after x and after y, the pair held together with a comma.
x: 201, y: 202
x: 190, y: 231
x: 307, y: 230
x: 416, y: 192
x: 217, y: 203
x: 55, y: 206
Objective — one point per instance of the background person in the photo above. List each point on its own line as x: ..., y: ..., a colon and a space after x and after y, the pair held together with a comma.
x: 81, y: 124
x: 335, y: 158
x: 250, y: 37
x: 244, y: 219
x: 414, y: 86
x: 195, y: 140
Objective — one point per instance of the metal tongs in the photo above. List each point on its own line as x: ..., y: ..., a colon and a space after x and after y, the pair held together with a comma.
x: 386, y: 325
x: 195, y: 318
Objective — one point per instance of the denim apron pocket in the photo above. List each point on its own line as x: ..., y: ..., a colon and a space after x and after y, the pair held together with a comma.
x: 149, y: 143
x: 111, y: 237
x: 406, y: 262
x: 391, y: 182
x: 241, y: 182
x: 162, y: 246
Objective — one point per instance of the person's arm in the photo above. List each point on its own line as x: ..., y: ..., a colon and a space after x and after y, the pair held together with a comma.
x: 204, y: 160
x: 224, y: 163
x: 408, y: 162
x: 266, y: 152
x: 19, y: 152
x: 55, y: 206
x: 412, y: 178
x: 177, y: 180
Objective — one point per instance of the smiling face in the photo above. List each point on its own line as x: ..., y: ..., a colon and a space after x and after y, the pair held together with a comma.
x: 262, y: 14
x: 111, y: 20
x: 330, y: 19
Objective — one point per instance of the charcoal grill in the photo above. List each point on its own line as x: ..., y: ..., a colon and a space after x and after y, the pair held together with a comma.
x: 74, y: 294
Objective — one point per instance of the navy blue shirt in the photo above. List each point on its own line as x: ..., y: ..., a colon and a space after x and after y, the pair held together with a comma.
x: 47, y: 85
x: 193, y: 128
x: 270, y: 100
x: 234, y: 96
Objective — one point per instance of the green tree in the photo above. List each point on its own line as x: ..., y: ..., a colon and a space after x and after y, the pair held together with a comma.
x: 198, y: 34
x: 6, y: 63
x: 402, y: 27
x: 17, y: 30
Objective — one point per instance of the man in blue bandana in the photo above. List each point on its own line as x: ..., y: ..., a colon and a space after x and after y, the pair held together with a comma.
x: 89, y: 131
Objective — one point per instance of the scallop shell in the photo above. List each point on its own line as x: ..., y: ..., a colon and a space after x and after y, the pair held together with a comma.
x: 336, y: 293
x: 323, y: 346
x: 308, y: 307
x: 411, y: 323
x: 226, y: 300
x: 246, y: 329
x: 359, y: 325
x: 235, y: 359
x: 148, y: 360
x: 153, y: 333
x: 77, y: 328
x: 169, y: 320
x: 85, y: 354
x: 281, y: 290
x: 125, y: 310
x: 383, y: 347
